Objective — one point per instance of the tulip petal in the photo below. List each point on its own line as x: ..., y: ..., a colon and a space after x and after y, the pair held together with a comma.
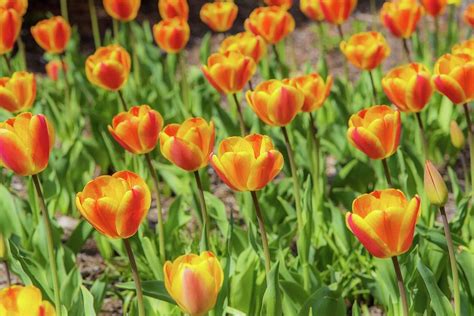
x: 367, y: 236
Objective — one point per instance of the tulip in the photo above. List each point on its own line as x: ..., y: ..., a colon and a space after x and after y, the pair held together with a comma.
x: 122, y: 10
x: 409, y: 87
x: 454, y: 77
x: 366, y: 50
x: 246, y: 43
x: 375, y: 131
x: 171, y: 35
x: 19, y: 6
x: 18, y: 92
x: 435, y: 187
x: 465, y: 47
x: 469, y: 15
x: 10, y: 26
x: 314, y: 89
x: 137, y: 130
x: 24, y: 300
x: 401, y: 16
x: 271, y: 23
x: 219, y: 16
x: 275, y: 102
x: 188, y: 145
x: 384, y: 222
x: 54, y: 68
x: 434, y: 7
x: 109, y: 67
x: 173, y: 9
x: 229, y: 72
x: 312, y: 9
x: 52, y: 34
x: 194, y: 282
x: 26, y: 142
x: 284, y: 4
x: 115, y: 205
x: 337, y: 11
x: 457, y: 136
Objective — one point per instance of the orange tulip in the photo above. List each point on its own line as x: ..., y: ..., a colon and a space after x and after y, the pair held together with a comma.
x: 10, y: 26
x: 18, y: 92
x: 173, y: 9
x: 271, y: 23
x: 24, y: 301
x: 409, y: 87
x: 365, y: 50
x: 247, y: 163
x: 26, y: 142
x: 434, y: 7
x: 375, y: 131
x: 312, y: 9
x: 275, y: 102
x: 284, y: 4
x: 314, y: 89
x: 384, y: 222
x: 122, y: 10
x: 337, y: 11
x: 109, y: 67
x: 115, y: 205
x: 219, y: 16
x: 454, y: 77
x: 54, y: 68
x: 246, y: 43
x: 401, y: 16
x: 171, y: 35
x: 137, y: 130
x: 194, y: 282
x: 188, y: 145
x: 52, y: 34
x: 469, y: 15
x: 19, y: 6
x: 229, y: 72
x: 465, y: 47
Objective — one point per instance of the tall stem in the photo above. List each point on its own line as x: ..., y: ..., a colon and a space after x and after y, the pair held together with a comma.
x: 407, y: 50
x: 161, y: 230
x: 346, y: 65
x: 202, y: 201
x: 7, y: 272
x: 452, y: 259
x: 62, y: 58
x: 243, y: 129
x: 136, y: 277
x: 21, y: 52
x: 465, y: 172
x: 49, y: 240
x: 263, y: 233
x: 316, y: 154
x: 373, y: 12
x: 321, y: 40
x: 401, y: 285
x: 115, y: 26
x: 435, y: 37
x: 374, y: 90
x: 122, y: 100
x: 250, y: 85
x: 9, y: 65
x: 184, y: 83
x: 64, y: 11
x: 281, y: 65
x: 94, y: 24
x: 422, y: 134
x: 387, y: 172
x: 471, y: 145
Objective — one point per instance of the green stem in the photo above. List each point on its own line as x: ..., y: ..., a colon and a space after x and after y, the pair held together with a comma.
x: 422, y: 134
x: 401, y: 285
x: 407, y: 50
x: 471, y: 145
x: 122, y: 100
x: 243, y: 129
x: 346, y: 64
x: 64, y: 11
x: 316, y: 155
x: 452, y: 259
x: 386, y: 170
x: 67, y: 90
x: 21, y: 50
x: 184, y: 83
x: 263, y: 233
x: 94, y: 24
x: 435, y: 37
x: 136, y: 277
x: 161, y: 230
x: 465, y: 172
x: 281, y: 65
x: 321, y: 40
x: 374, y: 90
x: 373, y: 12
x: 7, y: 272
x: 115, y: 27
x: 202, y: 201
x: 49, y: 240
x: 9, y: 65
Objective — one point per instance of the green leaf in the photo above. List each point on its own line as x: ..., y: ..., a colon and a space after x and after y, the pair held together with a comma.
x: 79, y: 236
x: 271, y: 304
x: 88, y: 302
x: 324, y: 302
x: 155, y: 289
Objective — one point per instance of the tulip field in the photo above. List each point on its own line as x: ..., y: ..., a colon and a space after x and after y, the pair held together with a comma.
x: 275, y: 157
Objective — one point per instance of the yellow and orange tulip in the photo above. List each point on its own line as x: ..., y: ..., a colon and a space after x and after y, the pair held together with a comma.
x: 409, y: 87
x: 194, y: 282
x: 365, y: 50
x: 109, y: 67
x: 384, y: 222
x: 275, y: 102
x: 115, y: 205
x: 173, y: 9
x: 375, y: 131
x: 122, y: 10
x: 468, y: 15
x: 314, y: 89
x: 171, y: 35
x: 247, y: 163
x: 435, y: 187
x: 271, y: 23
x: 219, y: 16
x: 434, y: 7
x: 454, y: 77
x: 284, y: 4
x: 26, y: 142
x: 465, y: 47
x: 137, y: 129
x: 312, y: 9
x: 229, y: 72
x: 54, y: 68
x: 456, y: 135
x: 337, y: 11
x: 19, y: 6
x: 52, y: 34
x: 24, y: 301
x: 401, y: 17
x: 188, y: 145
x: 247, y: 44
x: 18, y: 92
x: 10, y: 26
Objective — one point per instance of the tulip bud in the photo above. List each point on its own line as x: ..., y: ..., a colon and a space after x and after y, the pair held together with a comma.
x: 52, y: 34
x: 271, y: 23
x: 18, y: 92
x: 401, y: 16
x: 365, y: 50
x: 337, y: 11
x: 24, y: 301
x: 314, y: 89
x: 171, y: 35
x: 469, y: 15
x: 219, y: 16
x: 54, y: 68
x: 10, y: 26
x: 122, y: 10
x: 284, y: 4
x: 3, y: 248
x: 246, y: 43
x: 173, y: 9
x: 464, y: 47
x: 457, y: 136
x: 312, y: 9
x: 435, y: 187
x: 434, y: 7
x: 19, y: 6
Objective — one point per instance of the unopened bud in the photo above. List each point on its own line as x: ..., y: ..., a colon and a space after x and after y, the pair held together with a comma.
x: 435, y: 187
x: 457, y: 137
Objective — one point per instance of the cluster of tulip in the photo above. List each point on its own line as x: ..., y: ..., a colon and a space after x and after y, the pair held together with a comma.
x: 116, y: 205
